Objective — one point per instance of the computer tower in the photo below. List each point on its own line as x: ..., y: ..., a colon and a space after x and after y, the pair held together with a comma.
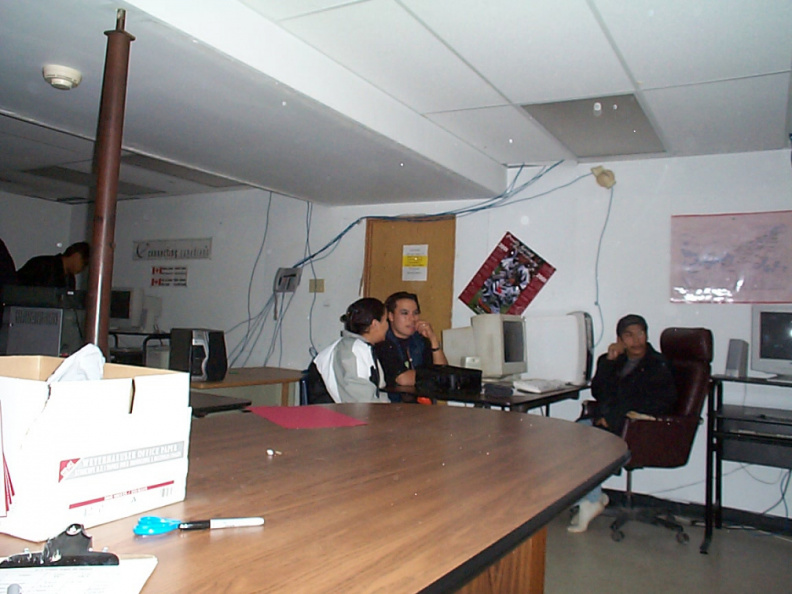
x: 31, y: 331
x: 200, y: 352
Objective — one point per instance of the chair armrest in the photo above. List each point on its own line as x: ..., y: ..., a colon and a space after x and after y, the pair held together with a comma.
x: 590, y: 408
x: 664, y: 442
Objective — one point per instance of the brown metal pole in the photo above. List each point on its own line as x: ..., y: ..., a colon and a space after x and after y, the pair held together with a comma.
x: 107, y: 161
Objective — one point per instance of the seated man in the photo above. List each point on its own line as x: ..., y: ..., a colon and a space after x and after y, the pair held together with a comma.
x: 632, y: 380
x: 410, y: 342
x: 58, y: 270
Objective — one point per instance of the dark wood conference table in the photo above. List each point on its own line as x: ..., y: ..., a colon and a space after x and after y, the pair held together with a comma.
x: 418, y: 499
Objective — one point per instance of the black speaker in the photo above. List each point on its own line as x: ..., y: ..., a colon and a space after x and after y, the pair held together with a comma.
x: 737, y: 358
x: 200, y: 352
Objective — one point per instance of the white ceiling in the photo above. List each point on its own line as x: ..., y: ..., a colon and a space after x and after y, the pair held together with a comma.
x: 361, y: 102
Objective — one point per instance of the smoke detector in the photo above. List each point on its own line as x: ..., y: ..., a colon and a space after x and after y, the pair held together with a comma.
x: 61, y: 77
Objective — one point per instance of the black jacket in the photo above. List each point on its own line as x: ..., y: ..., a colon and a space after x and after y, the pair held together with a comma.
x: 648, y: 389
x: 45, y: 271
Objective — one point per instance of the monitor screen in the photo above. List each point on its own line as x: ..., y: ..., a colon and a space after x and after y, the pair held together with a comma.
x: 126, y: 308
x: 120, y: 304
x: 776, y: 340
x: 771, y: 339
x: 513, y: 341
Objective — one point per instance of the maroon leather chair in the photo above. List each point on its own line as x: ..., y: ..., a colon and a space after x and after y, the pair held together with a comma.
x: 666, y: 441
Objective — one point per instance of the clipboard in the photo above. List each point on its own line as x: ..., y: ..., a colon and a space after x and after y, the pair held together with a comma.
x: 68, y: 563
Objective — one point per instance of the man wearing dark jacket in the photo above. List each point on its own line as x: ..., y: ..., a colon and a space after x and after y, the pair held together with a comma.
x: 58, y: 270
x: 632, y: 380
x: 631, y: 377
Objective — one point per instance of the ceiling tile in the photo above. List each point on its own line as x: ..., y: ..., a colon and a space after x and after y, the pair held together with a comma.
x: 400, y: 57
x: 534, y: 52
x: 283, y: 9
x: 679, y: 42
x: 601, y: 127
x: 732, y: 116
x: 504, y: 133
x: 28, y: 153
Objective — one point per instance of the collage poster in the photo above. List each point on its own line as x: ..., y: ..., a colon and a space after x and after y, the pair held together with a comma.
x: 508, y: 280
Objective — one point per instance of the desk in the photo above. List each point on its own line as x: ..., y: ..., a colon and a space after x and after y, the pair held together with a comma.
x: 420, y: 499
x: 203, y: 404
x: 744, y: 434
x: 518, y: 401
x: 255, y: 376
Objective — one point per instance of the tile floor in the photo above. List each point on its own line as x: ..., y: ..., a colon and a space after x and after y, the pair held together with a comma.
x: 650, y: 560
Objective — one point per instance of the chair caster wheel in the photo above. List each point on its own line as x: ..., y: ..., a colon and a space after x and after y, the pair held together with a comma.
x: 617, y: 535
x: 682, y: 537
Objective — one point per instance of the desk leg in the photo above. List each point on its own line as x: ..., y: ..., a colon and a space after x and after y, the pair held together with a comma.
x: 285, y: 394
x: 708, y: 508
x: 521, y: 570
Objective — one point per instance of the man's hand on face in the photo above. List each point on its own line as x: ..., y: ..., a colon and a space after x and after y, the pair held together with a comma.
x: 615, y: 349
x: 425, y: 329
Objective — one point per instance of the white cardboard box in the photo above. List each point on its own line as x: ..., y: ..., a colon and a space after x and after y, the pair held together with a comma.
x: 89, y: 452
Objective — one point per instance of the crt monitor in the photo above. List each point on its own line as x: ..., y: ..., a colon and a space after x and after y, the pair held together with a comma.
x: 126, y: 308
x: 500, y: 344
x: 771, y: 339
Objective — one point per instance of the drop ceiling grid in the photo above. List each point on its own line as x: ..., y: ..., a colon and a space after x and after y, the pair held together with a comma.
x: 533, y: 52
x: 730, y: 116
x: 278, y: 10
x: 666, y: 44
x: 509, y: 136
x: 385, y: 45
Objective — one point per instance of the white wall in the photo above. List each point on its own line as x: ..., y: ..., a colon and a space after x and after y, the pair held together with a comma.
x: 563, y: 226
x: 31, y: 227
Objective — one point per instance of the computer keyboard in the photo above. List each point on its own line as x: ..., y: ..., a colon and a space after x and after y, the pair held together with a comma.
x: 539, y: 386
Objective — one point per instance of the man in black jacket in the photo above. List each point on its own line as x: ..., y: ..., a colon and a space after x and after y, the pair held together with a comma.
x: 58, y: 270
x: 632, y: 380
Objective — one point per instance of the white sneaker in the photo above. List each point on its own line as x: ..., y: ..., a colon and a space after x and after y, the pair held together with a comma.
x: 588, y: 511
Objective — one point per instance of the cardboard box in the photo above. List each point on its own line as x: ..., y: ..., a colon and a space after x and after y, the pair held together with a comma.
x: 89, y: 452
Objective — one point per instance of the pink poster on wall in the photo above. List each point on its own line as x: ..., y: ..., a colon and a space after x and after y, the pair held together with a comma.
x: 508, y: 280
x: 732, y: 258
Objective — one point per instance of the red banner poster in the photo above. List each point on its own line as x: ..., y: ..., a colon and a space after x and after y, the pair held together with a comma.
x: 508, y: 280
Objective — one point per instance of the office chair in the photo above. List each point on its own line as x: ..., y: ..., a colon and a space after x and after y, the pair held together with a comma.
x: 312, y: 387
x: 304, y: 388
x: 666, y: 441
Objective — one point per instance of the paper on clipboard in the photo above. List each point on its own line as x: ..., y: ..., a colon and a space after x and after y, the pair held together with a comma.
x: 128, y: 577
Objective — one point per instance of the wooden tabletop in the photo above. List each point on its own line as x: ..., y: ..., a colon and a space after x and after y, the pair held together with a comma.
x: 251, y: 376
x: 418, y: 499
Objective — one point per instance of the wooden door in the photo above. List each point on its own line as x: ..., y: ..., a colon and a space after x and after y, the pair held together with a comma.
x: 384, y: 262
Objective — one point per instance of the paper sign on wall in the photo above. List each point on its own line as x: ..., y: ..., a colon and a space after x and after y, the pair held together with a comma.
x: 168, y: 276
x: 173, y: 249
x: 415, y: 262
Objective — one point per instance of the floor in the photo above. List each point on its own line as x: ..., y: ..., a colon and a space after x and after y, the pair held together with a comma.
x: 650, y: 560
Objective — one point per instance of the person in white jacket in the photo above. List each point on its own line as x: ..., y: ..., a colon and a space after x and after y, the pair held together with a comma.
x: 349, y: 368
